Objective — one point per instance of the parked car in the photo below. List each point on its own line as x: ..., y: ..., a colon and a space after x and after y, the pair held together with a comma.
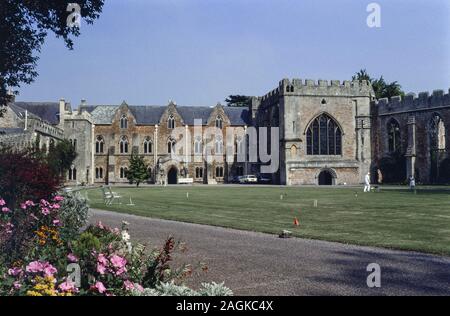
x: 248, y: 179
x: 264, y: 179
x: 236, y: 179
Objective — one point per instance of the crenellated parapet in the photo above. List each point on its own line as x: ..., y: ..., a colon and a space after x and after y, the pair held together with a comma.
x: 411, y: 102
x: 310, y: 87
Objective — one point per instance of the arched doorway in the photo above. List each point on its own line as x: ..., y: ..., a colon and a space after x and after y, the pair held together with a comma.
x: 325, y: 178
x: 172, y: 176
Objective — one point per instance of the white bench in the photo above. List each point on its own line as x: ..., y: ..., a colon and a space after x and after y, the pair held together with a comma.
x: 186, y: 180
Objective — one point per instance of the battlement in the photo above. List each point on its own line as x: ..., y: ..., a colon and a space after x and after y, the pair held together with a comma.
x: 310, y: 87
x: 411, y: 102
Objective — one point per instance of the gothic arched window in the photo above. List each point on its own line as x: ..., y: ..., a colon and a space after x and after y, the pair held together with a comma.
x: 394, y: 140
x: 123, y: 121
x: 123, y: 145
x: 171, y: 122
x: 123, y: 172
x: 324, y: 137
x: 219, y: 145
x: 99, y: 144
x: 198, y: 145
x: 171, y: 146
x: 148, y: 146
x: 239, y: 145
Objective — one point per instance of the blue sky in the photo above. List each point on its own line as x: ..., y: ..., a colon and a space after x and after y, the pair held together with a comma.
x: 197, y: 52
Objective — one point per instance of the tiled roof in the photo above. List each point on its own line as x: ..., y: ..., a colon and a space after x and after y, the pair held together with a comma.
x: 47, y: 111
x: 151, y: 114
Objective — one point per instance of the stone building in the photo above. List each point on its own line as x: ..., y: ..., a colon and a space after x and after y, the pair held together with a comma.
x: 330, y: 133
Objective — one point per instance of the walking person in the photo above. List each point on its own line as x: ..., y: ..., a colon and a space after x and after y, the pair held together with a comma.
x: 412, y: 183
x: 367, y: 182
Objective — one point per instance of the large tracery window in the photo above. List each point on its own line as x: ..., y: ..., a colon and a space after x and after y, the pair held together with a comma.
x: 171, y: 122
x: 123, y: 121
x: 324, y: 137
x: 394, y: 140
x: 437, y: 133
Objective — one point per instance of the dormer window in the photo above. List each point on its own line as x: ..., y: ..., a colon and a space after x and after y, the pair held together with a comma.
x: 219, y: 122
x: 171, y: 122
x: 124, y: 121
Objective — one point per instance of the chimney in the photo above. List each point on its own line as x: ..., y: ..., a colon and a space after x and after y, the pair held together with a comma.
x: 82, y: 107
x: 62, y: 111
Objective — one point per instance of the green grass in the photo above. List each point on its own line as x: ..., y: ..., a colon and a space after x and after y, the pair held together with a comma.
x: 393, y: 218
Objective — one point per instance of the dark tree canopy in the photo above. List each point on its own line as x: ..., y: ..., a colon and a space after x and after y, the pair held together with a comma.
x: 24, y: 25
x: 238, y: 100
x: 380, y: 86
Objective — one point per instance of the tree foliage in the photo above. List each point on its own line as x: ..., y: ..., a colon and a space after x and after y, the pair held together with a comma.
x: 24, y: 26
x: 381, y: 88
x: 238, y: 100
x: 138, y: 171
x: 60, y: 157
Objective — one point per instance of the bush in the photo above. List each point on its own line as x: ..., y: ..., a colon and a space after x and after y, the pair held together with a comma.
x: 25, y: 176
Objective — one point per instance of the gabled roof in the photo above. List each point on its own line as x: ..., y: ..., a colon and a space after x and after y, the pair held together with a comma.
x: 151, y: 114
x: 47, y: 111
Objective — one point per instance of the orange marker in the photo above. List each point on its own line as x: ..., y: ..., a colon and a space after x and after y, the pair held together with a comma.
x: 296, y: 222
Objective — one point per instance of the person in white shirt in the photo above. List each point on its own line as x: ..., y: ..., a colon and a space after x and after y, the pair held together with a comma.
x: 367, y: 182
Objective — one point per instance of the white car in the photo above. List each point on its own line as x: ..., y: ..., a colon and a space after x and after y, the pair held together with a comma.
x: 248, y: 179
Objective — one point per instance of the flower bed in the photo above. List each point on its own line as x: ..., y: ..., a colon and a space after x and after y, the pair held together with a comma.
x: 45, y: 253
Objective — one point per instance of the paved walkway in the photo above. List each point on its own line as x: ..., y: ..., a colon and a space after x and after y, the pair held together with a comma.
x: 262, y: 264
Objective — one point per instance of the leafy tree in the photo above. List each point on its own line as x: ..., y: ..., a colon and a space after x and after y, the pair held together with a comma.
x: 60, y: 157
x: 238, y: 100
x: 23, y: 29
x: 137, y: 172
x: 380, y: 86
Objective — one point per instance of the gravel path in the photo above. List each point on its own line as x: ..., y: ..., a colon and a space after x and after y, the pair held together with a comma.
x: 262, y: 264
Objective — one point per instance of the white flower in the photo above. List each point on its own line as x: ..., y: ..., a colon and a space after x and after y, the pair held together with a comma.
x: 125, y: 235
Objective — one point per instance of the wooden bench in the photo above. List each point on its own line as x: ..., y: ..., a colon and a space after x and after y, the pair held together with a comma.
x: 186, y: 180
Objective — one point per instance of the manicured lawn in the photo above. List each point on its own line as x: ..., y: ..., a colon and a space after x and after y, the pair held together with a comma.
x: 392, y: 218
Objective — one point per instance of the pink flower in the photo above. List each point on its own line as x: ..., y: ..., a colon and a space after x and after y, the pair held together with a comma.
x: 2, y: 202
x: 34, y: 267
x: 58, y: 198
x: 72, y: 258
x: 45, y: 211
x: 118, y: 261
x: 67, y: 286
x: 29, y: 203
x: 17, y: 285
x: 100, y: 287
x: 44, y: 203
x: 56, y: 222
x: 49, y: 270
x: 128, y: 285
x: 5, y: 210
x: 100, y: 225
x: 55, y: 206
x: 23, y: 206
x: 101, y: 268
x: 14, y: 271
x: 102, y: 259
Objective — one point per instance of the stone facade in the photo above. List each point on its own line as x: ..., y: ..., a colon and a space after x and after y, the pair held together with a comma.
x: 329, y: 133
